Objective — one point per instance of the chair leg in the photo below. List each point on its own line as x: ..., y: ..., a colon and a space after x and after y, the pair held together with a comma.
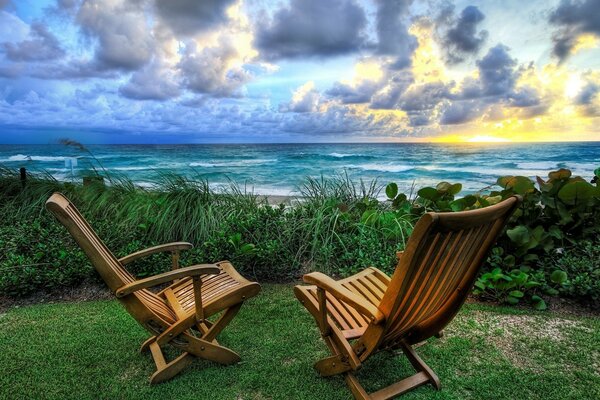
x: 224, y: 319
x: 164, y: 370
x: 179, y: 336
x: 423, y: 376
x: 146, y: 345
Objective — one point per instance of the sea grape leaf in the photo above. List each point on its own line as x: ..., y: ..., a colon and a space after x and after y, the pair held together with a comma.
x: 538, y: 303
x: 443, y: 187
x: 519, y: 235
x: 576, y: 191
x: 391, y: 190
x: 454, y: 189
x: 519, y: 184
x: 558, y: 276
x: 562, y: 173
x: 429, y: 193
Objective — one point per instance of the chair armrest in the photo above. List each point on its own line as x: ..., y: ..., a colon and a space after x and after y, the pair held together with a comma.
x: 399, y: 254
x: 194, y: 270
x: 175, y: 246
x: 338, y: 291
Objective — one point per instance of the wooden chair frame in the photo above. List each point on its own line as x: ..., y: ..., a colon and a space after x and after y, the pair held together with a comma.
x: 177, y: 315
x: 370, y: 312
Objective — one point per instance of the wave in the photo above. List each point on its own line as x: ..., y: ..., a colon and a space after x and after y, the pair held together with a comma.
x: 132, y: 168
x: 239, y: 163
x: 342, y: 155
x: 546, y: 165
x: 383, y: 167
x: 22, y: 157
x: 491, y: 171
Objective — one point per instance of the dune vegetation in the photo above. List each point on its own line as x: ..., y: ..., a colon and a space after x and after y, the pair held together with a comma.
x: 339, y: 227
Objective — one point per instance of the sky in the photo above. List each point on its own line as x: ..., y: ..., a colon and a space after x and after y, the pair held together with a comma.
x: 238, y: 71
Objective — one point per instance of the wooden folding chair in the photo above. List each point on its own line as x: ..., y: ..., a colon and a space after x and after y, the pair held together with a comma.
x: 178, y: 314
x: 370, y: 311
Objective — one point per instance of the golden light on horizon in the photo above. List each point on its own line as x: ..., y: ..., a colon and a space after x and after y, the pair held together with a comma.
x: 470, y: 139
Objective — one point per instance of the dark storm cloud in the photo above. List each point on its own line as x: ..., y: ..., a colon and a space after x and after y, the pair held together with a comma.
x: 392, y: 32
x: 187, y: 17
x: 574, y: 18
x: 462, y: 38
x: 308, y: 28
x: 42, y: 45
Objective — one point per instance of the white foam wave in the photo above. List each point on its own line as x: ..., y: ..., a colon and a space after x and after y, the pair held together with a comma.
x: 342, y: 155
x: 239, y: 163
x: 491, y: 171
x: 383, y: 167
x: 545, y: 165
x: 131, y: 168
x: 22, y: 157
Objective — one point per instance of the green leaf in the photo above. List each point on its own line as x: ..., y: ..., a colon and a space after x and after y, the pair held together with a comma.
x: 516, y: 293
x: 429, y: 193
x: 443, y: 187
x: 519, y: 184
x: 512, y: 300
x: 538, y: 303
x: 562, y: 173
x: 391, y: 190
x: 454, y: 189
x: 597, y: 172
x: 558, y: 276
x: 576, y: 191
x: 519, y: 235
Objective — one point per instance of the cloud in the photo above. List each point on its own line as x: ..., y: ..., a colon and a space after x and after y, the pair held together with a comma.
x: 392, y: 32
x: 187, y: 17
x: 154, y: 82
x: 588, y: 98
x: 121, y: 30
x: 42, y: 45
x: 312, y: 28
x: 210, y: 71
x: 305, y: 99
x: 462, y: 38
x: 497, y: 74
x: 574, y: 19
x: 460, y: 112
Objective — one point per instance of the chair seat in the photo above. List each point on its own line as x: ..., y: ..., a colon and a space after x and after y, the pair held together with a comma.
x: 370, y: 284
x: 219, y: 292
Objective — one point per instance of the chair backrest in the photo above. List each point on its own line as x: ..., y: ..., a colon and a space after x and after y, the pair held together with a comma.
x: 438, y: 269
x: 107, y: 265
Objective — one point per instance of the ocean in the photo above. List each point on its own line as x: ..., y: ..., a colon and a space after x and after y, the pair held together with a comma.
x: 280, y: 169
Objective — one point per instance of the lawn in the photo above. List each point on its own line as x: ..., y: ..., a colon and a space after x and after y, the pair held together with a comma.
x: 89, y: 350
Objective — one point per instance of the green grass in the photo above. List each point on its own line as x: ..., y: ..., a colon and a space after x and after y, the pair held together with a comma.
x: 89, y: 350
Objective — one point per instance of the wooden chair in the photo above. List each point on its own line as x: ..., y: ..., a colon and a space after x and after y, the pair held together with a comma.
x: 370, y: 311
x: 178, y: 314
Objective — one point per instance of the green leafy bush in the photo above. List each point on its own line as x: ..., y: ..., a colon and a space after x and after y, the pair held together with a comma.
x: 338, y: 227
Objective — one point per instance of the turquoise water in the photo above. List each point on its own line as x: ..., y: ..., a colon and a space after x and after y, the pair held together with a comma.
x: 280, y: 168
